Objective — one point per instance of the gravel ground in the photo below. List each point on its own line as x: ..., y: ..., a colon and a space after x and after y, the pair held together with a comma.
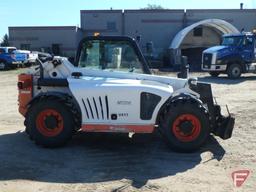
x: 107, y: 162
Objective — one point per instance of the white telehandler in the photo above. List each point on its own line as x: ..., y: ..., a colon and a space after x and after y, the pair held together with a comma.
x: 110, y: 89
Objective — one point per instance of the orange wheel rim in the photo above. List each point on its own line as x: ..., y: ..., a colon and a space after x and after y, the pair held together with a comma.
x: 186, y: 127
x: 49, y: 122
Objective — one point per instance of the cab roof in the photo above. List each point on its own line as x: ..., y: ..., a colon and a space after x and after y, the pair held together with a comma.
x: 8, y: 48
x: 239, y: 34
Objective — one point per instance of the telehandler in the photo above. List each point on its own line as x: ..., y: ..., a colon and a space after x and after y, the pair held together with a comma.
x: 110, y: 88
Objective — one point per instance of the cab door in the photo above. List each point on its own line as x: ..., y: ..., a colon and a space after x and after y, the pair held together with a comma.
x: 110, y: 104
x: 248, y: 52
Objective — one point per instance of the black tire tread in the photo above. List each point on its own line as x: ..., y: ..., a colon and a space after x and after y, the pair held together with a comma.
x: 229, y: 71
x: 6, y: 66
x: 65, y: 100
x: 171, y: 109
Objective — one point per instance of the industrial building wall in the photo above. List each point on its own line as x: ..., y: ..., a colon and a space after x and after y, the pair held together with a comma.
x: 239, y: 18
x: 107, y: 22
x: 158, y: 26
x: 46, y: 39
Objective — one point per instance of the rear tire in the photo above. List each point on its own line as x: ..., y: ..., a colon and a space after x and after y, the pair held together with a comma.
x: 185, y: 126
x: 3, y: 65
x: 234, y: 71
x: 50, y: 122
x: 214, y: 73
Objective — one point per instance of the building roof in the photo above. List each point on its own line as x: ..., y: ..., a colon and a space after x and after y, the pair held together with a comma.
x: 102, y: 11
x: 167, y: 10
x: 219, y: 24
x: 43, y: 27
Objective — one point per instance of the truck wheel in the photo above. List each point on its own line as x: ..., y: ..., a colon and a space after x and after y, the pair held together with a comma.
x: 3, y: 65
x: 214, y: 73
x: 50, y: 122
x: 185, y: 126
x: 28, y: 64
x: 234, y: 71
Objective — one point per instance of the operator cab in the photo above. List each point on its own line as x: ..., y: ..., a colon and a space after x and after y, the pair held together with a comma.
x: 111, y: 54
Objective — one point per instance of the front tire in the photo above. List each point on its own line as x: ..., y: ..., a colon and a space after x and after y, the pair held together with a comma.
x: 214, y: 73
x: 50, y: 122
x: 185, y: 126
x: 234, y: 71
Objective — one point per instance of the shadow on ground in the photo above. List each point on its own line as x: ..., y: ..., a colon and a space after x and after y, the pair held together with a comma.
x: 225, y: 80
x: 90, y: 158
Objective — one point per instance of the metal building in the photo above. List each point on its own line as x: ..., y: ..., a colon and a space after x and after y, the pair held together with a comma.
x: 59, y: 40
x: 164, y: 35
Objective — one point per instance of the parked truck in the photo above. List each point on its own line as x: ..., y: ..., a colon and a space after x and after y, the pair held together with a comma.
x: 235, y: 55
x: 10, y: 58
x: 31, y: 57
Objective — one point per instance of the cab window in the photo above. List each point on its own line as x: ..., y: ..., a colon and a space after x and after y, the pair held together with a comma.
x: 11, y: 50
x: 109, y: 55
x: 233, y: 41
x: 2, y: 51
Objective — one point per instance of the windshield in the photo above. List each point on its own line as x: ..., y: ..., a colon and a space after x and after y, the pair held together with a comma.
x: 11, y: 50
x: 109, y: 55
x: 233, y: 41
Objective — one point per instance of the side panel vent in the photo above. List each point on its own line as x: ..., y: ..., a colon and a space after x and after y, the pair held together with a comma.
x: 90, y: 107
x: 86, y: 110
x: 96, y: 107
x: 106, y: 99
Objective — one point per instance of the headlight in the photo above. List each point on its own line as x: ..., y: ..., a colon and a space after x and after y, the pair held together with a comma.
x: 218, y: 61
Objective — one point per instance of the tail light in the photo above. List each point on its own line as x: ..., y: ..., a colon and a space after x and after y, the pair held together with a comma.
x: 25, y: 86
x: 25, y: 82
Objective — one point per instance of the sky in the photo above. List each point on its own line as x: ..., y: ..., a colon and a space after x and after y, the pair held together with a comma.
x: 67, y: 12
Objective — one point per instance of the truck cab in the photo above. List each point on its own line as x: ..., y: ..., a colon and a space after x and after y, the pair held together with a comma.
x: 235, y: 55
x: 10, y: 58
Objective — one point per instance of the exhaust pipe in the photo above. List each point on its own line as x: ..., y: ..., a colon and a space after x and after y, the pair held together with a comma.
x: 183, y: 74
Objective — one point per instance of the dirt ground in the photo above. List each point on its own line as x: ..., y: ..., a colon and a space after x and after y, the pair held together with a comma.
x: 105, y: 162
